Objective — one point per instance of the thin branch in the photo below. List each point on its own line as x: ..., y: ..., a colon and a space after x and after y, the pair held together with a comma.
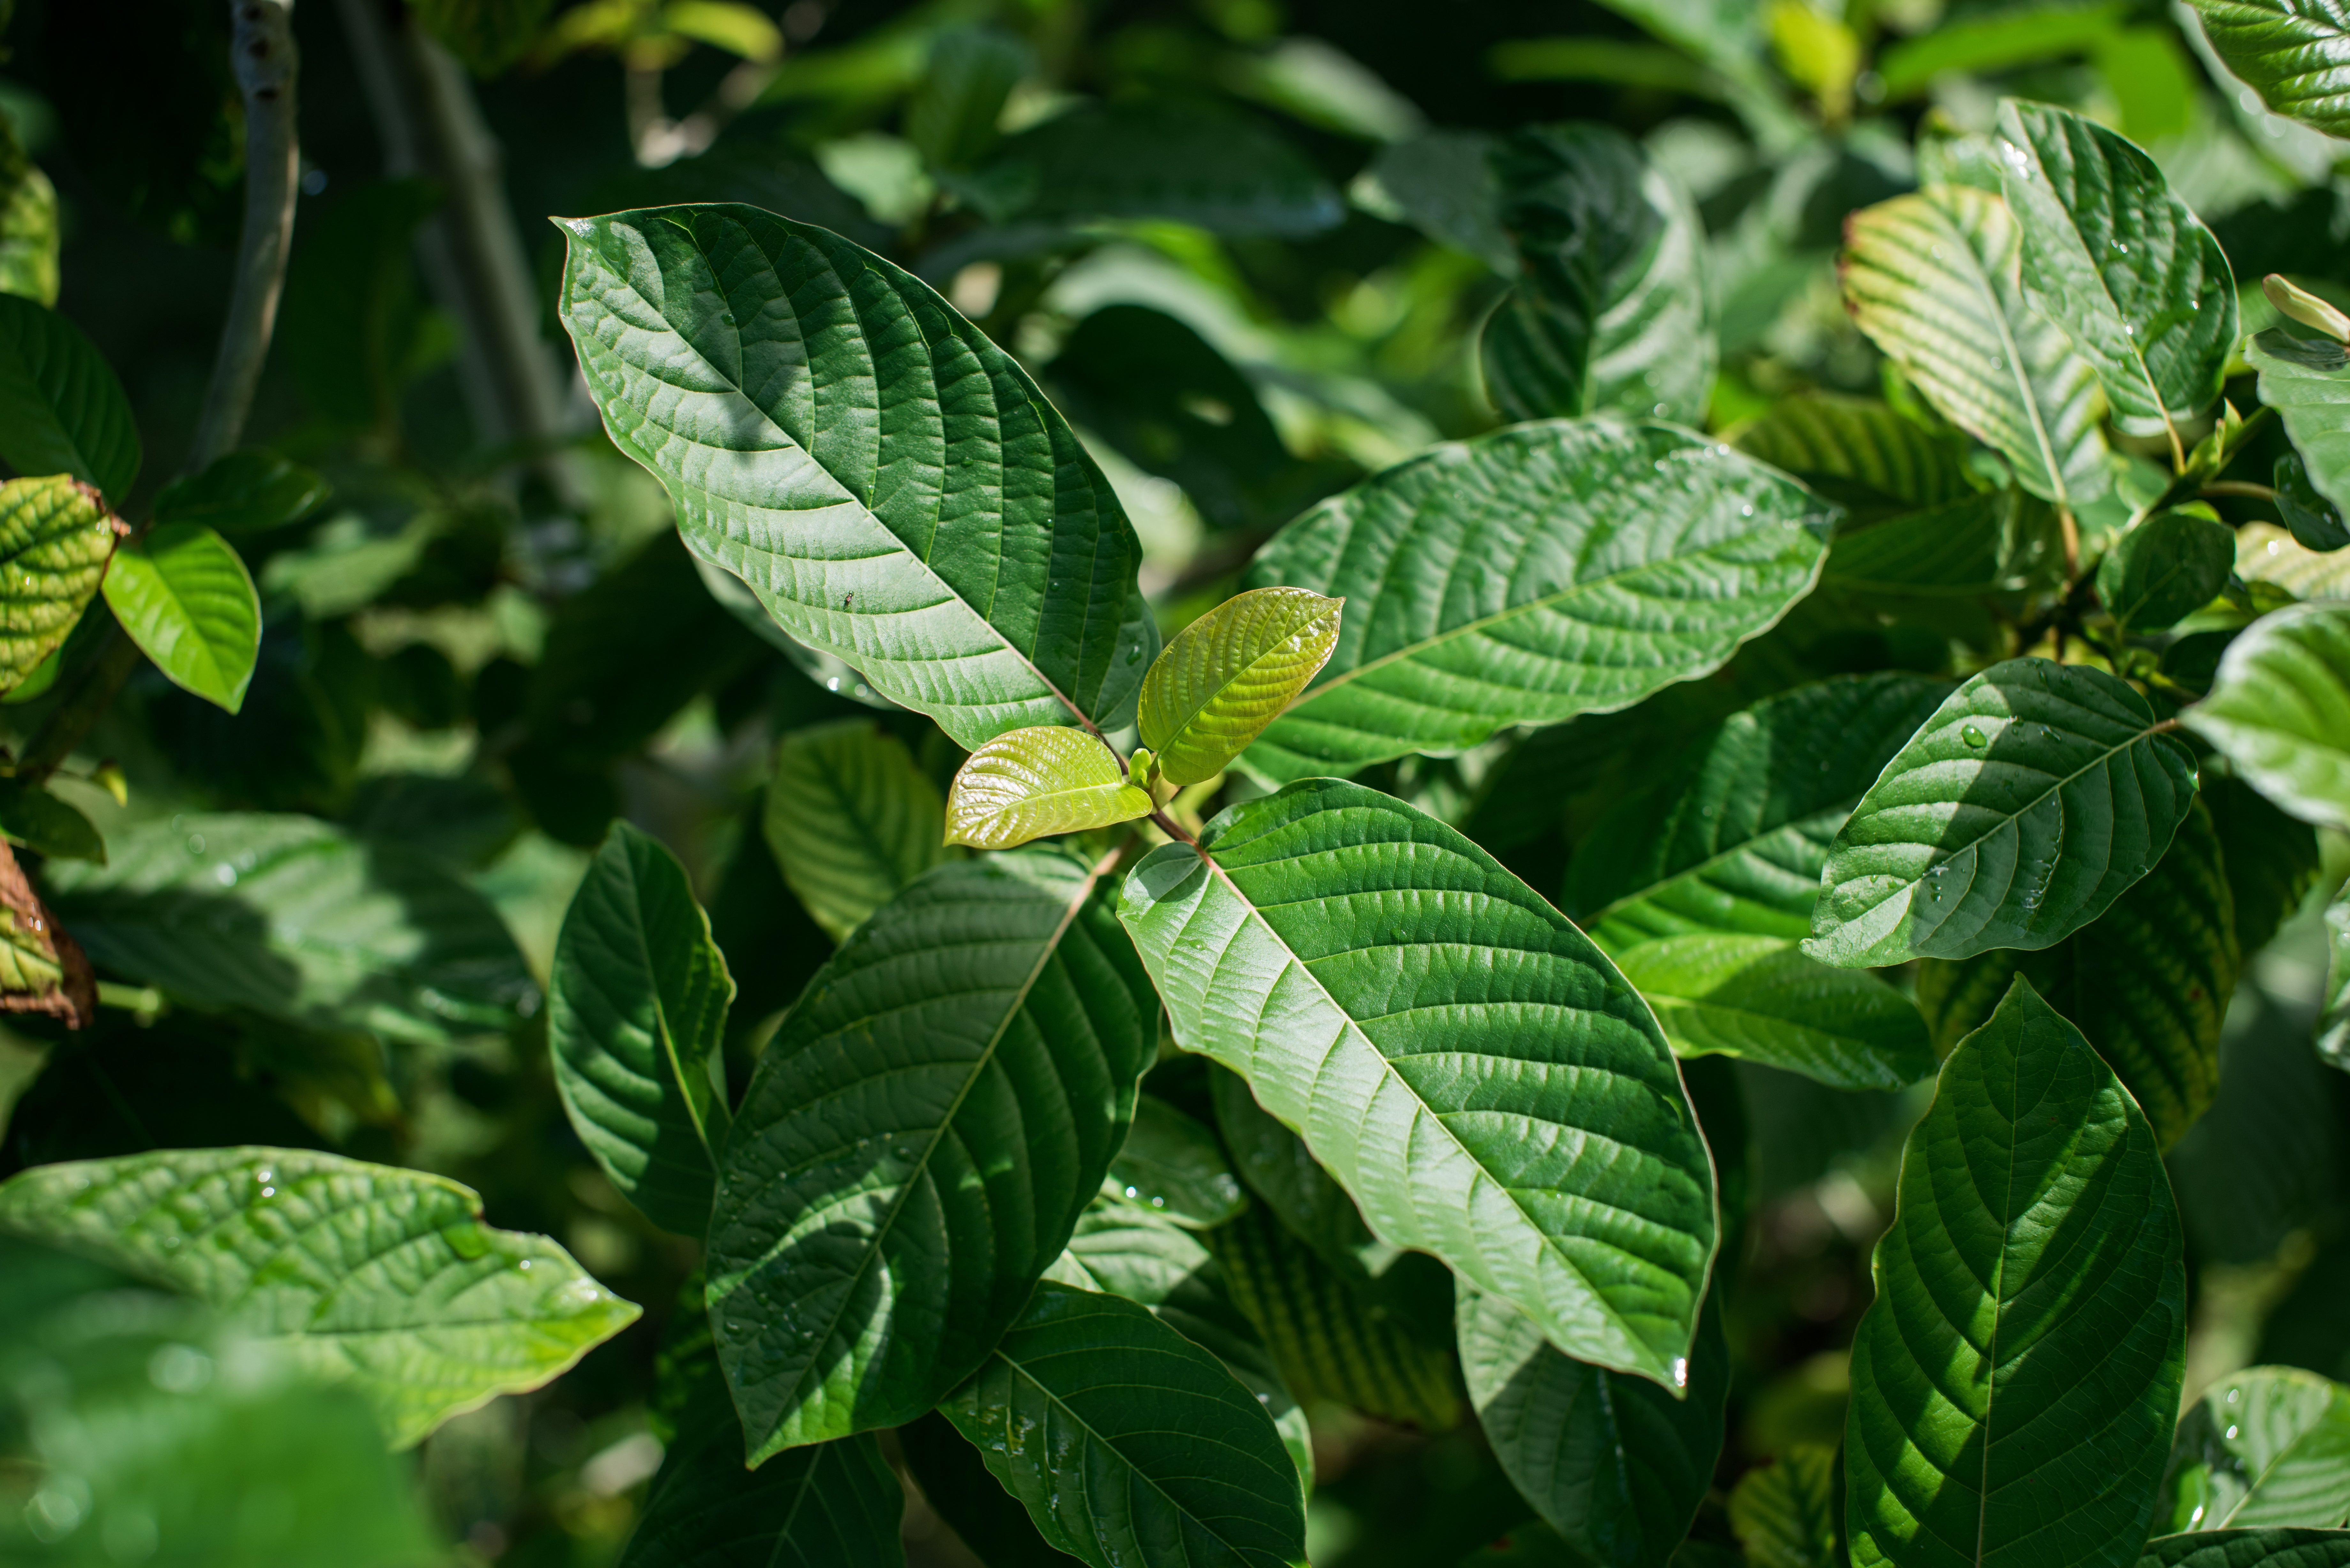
x: 2239, y: 487
x: 1172, y: 828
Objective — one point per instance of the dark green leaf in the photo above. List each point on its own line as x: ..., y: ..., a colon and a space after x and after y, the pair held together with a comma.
x: 2249, y: 1549
x: 2035, y: 795
x: 2295, y: 52
x: 2271, y: 859
x: 2013, y: 1384
x: 32, y: 817
x: 1172, y: 1165
x: 952, y: 112
x: 636, y: 1012
x: 2266, y: 1447
x: 61, y: 409
x: 297, y: 919
x: 923, y: 1132
x: 487, y: 35
x: 355, y: 325
x: 2147, y: 982
x: 245, y: 492
x: 1281, y: 1170
x: 1585, y: 565
x: 1283, y: 945
x: 2280, y: 711
x: 1762, y: 999
x: 1615, y: 1464
x: 1157, y: 160
x: 1095, y: 1416
x: 1444, y: 184
x: 181, y: 592
x: 740, y: 357
x: 56, y: 539
x: 1609, y: 314
x: 1994, y: 543
x: 1785, y: 1511
x: 957, y: 1485
x: 851, y: 820
x: 383, y: 1278
x: 2333, y: 1024
x: 1858, y: 451
x: 2164, y: 569
x: 2307, y: 381
x: 2315, y: 521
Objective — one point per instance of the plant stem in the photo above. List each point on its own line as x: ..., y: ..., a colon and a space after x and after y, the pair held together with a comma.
x: 2240, y: 487
x: 1172, y: 828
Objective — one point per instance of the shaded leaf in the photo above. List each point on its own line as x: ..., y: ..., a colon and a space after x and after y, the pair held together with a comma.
x: 56, y: 538
x: 181, y: 592
x: 1475, y: 1151
x: 1762, y: 999
x: 2035, y: 793
x: 1050, y: 778
x: 2307, y: 381
x: 952, y: 115
x: 851, y: 820
x: 383, y: 1278
x: 61, y: 409
x: 2296, y: 53
x: 636, y: 1010
x: 2333, y: 1024
x: 29, y: 224
x: 1785, y: 1511
x: 1443, y: 183
x: 956, y: 1483
x: 487, y: 35
x: 2280, y: 711
x: 2265, y: 1447
x: 1229, y: 674
x: 1157, y: 160
x: 1992, y: 543
x: 1173, y: 1166
x: 2316, y: 522
x: 743, y: 359
x: 32, y: 817
x: 245, y: 492
x: 2272, y: 860
x: 1858, y: 451
x: 2014, y: 1382
x: 920, y: 1135
x: 2164, y: 569
x: 1537, y: 573
x: 1095, y: 1416
x: 1933, y: 279
x: 2249, y: 1549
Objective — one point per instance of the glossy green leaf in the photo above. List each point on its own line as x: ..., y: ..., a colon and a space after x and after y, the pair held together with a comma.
x: 1293, y: 946
x: 956, y: 1483
x: 181, y: 592
x: 1229, y: 674
x: 2315, y: 521
x: 1761, y: 1000
x: 2125, y: 268
x: 295, y: 920
x: 2014, y: 1382
x: 2266, y: 1447
x: 1526, y: 577
x: 380, y: 1277
x: 851, y: 820
x: 2035, y: 795
x: 952, y: 115
x: 1785, y: 1511
x: 61, y: 409
x: 36, y: 819
x: 920, y: 1135
x: 1282, y: 1171
x: 1046, y: 779
x: 245, y: 492
x: 1328, y: 1335
x: 2280, y: 711
x: 2307, y: 381
x: 1858, y: 449
x: 635, y: 1012
x: 801, y: 399
x: 2164, y: 569
x: 1934, y: 280
x: 2147, y: 982
x: 1609, y: 314
x: 2249, y: 1549
x: 1173, y: 1166
x: 1615, y: 1464
x: 56, y: 538
x: 1157, y: 160
x: 2296, y: 53
x: 2334, y: 1022
x: 28, y: 225
x: 1129, y: 1444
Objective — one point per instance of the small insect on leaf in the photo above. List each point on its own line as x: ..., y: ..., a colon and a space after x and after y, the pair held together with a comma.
x: 1229, y: 673
x: 1045, y: 779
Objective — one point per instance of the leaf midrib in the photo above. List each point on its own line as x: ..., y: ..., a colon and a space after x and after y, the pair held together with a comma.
x: 2017, y: 376
x: 2253, y: 1489
x: 667, y: 1035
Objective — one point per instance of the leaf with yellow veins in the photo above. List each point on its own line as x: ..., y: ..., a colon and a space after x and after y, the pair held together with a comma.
x: 1229, y: 673
x: 1048, y: 778
x: 56, y: 538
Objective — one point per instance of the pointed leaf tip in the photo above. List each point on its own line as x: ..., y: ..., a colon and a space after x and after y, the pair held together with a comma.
x: 1229, y: 673
x: 1045, y: 779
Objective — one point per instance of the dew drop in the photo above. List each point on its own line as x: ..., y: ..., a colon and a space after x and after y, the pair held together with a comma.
x: 1972, y: 736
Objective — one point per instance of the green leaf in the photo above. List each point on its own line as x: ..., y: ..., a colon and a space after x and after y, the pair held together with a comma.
x: 2266, y: 1447
x: 61, y: 409
x: 1858, y: 451
x: 918, y: 1142
x: 1327, y: 1336
x: 1992, y: 543
x: 56, y: 538
x: 952, y: 114
x: 1734, y: 840
x: 1157, y: 160
x: 243, y: 492
x: 2280, y: 711
x: 1443, y: 183
x: 1095, y: 1416
x: 832, y: 1505
x: 2147, y: 982
x: 1229, y: 674
x: 1281, y: 1170
x: 1615, y: 1464
x: 2164, y: 569
x: 383, y: 1278
x: 1609, y: 314
x: 2250, y: 1548
x: 2123, y: 266
x: 1047, y: 779
x: 181, y: 592
x: 851, y: 820
x: 2271, y: 859
x: 1582, y: 567
x: 2307, y: 381
x: 33, y: 818
x: 1760, y: 999
x: 636, y: 1012
x: 1283, y: 947
x: 1934, y: 280
x: 1996, y: 42
x: 2014, y: 1382
x: 29, y: 224
x: 2334, y: 1024
x: 2316, y: 522
x: 742, y: 357
x: 1173, y: 1166
x: 1785, y: 1511
x: 2035, y: 793
x: 487, y: 35
x: 298, y: 920
x: 2296, y: 53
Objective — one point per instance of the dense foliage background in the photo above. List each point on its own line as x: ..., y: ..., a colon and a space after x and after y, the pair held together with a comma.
x: 1266, y: 277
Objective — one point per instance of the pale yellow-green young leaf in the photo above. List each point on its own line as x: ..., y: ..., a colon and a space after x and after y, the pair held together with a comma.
x: 1048, y: 778
x: 55, y: 537
x: 1229, y: 673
